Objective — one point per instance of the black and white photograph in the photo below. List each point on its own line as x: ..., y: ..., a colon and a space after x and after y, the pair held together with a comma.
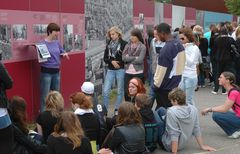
x: 100, y: 15
x: 78, y: 42
x: 5, y: 41
x: 40, y: 29
x: 68, y: 37
x: 19, y: 31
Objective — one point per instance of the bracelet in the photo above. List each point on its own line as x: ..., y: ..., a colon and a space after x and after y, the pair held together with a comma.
x: 210, y: 110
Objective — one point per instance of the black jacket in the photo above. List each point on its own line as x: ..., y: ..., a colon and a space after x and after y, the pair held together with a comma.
x: 108, y: 59
x: 128, y: 139
x: 5, y: 82
x: 24, y: 144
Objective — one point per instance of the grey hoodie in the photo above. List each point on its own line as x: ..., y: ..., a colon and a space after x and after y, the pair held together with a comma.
x: 181, y: 123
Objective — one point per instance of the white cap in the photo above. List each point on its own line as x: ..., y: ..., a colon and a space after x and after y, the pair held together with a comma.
x: 88, y: 88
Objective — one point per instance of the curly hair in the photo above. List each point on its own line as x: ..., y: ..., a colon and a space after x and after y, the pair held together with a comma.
x: 178, y: 95
x: 82, y: 100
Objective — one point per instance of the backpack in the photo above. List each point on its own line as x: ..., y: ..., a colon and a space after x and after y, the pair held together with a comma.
x: 235, y: 105
x: 236, y: 54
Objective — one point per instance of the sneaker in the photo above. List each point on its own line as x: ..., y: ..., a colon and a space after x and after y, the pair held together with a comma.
x: 115, y: 112
x: 203, y: 86
x: 224, y: 93
x: 235, y: 135
x: 214, y: 92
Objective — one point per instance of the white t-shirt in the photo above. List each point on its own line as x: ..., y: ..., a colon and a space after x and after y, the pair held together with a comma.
x: 192, y: 59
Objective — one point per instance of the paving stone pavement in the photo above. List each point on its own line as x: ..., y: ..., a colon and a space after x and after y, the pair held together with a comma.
x: 212, y: 134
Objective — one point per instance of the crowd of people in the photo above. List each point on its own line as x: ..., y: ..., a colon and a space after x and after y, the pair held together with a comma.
x: 177, y: 65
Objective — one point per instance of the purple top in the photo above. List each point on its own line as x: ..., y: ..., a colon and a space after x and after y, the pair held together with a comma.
x: 55, y: 50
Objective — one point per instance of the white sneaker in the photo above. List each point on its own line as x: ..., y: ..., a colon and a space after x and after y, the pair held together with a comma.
x: 214, y: 92
x: 224, y: 93
x: 235, y: 135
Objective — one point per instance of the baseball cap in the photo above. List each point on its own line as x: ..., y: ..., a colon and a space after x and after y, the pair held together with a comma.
x: 88, y: 88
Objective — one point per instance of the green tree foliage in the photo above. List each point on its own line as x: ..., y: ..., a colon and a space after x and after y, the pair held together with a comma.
x: 233, y: 6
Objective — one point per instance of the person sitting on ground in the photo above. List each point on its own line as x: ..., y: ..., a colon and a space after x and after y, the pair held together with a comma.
x: 179, y: 123
x: 229, y: 121
x: 68, y: 136
x: 100, y: 110
x: 135, y: 86
x: 82, y: 107
x: 48, y: 118
x: 23, y: 143
x: 128, y: 136
x: 143, y: 105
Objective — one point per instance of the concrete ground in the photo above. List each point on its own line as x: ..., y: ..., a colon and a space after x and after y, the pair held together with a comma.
x: 212, y: 134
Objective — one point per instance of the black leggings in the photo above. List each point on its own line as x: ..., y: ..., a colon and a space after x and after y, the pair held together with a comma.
x: 6, y: 140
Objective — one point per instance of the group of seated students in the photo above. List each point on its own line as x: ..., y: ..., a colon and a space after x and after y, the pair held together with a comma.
x: 136, y: 129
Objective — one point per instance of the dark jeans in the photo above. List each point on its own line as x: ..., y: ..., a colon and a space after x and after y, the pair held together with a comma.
x: 6, y: 140
x: 162, y: 125
x: 128, y: 77
x: 219, y: 68
x: 162, y: 99
x: 228, y: 121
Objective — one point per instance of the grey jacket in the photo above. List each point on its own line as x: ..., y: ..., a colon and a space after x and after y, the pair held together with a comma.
x: 136, y: 58
x: 181, y: 123
x: 153, y: 54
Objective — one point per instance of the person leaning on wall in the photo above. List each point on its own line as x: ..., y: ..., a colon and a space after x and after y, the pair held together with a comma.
x: 50, y: 70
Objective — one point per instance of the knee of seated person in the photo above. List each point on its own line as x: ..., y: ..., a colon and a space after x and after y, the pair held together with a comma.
x: 216, y: 116
x: 161, y: 111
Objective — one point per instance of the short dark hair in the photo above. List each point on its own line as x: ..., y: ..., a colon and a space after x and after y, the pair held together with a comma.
x: 163, y: 28
x: 178, y: 95
x: 52, y: 27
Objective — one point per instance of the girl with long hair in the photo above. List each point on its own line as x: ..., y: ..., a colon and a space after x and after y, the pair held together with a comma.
x: 22, y: 142
x: 128, y: 136
x: 68, y: 136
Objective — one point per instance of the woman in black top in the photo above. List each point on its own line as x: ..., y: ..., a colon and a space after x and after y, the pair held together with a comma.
x: 113, y: 58
x: 82, y: 107
x: 23, y: 143
x: 68, y: 137
x: 6, y: 131
x: 48, y: 118
x: 128, y: 136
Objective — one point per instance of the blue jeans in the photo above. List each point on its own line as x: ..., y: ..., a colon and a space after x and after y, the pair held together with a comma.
x: 188, y: 85
x: 48, y: 82
x: 110, y: 77
x: 228, y: 121
x: 162, y: 123
x: 151, y: 91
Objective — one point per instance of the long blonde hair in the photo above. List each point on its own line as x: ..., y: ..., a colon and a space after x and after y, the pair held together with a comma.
x: 69, y: 124
x: 54, y: 103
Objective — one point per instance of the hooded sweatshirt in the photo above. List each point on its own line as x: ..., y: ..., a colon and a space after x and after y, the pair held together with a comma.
x: 181, y: 123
